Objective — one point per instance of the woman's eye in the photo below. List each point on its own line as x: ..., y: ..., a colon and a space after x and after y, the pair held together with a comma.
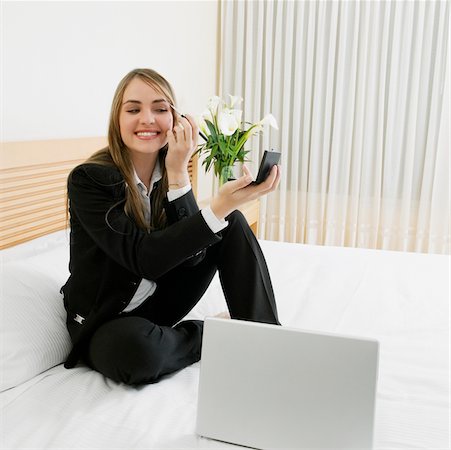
x: 157, y: 111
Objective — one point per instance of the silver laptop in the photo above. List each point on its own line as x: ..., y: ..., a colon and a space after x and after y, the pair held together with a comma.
x: 271, y: 387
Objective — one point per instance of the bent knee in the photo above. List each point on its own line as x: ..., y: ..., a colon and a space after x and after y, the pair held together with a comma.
x: 237, y: 217
x: 127, y: 350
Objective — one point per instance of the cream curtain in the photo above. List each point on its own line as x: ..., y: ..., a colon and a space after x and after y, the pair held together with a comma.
x: 361, y: 94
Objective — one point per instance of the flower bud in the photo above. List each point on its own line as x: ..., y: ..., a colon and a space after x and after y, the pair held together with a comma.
x: 213, y: 104
x: 270, y: 120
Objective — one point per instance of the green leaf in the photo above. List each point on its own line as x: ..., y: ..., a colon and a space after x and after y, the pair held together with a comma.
x: 213, y: 132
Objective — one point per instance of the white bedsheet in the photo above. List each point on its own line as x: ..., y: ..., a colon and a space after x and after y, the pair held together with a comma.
x: 401, y: 299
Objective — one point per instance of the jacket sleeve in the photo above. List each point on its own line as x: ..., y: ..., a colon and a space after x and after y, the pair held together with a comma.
x: 96, y: 203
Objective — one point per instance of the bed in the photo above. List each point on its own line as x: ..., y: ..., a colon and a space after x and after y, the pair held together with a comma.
x: 401, y: 299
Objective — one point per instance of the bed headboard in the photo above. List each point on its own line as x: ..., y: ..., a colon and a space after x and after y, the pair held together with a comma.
x: 33, y: 178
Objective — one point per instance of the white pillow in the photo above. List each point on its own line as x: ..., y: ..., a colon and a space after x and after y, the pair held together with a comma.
x: 59, y: 240
x: 33, y: 334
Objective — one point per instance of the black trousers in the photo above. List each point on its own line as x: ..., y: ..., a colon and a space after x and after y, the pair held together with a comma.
x: 142, y: 345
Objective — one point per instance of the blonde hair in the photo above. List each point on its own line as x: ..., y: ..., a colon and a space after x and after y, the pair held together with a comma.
x: 117, y: 153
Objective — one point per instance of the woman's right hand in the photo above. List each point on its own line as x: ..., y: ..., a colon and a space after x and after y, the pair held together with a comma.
x: 182, y: 142
x: 234, y: 194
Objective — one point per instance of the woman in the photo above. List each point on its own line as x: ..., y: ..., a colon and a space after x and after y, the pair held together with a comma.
x: 141, y: 252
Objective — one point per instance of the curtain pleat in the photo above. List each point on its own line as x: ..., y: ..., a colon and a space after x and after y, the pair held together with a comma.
x: 361, y: 94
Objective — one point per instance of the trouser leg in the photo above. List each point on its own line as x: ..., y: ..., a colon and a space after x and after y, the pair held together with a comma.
x: 243, y: 274
x: 133, y: 350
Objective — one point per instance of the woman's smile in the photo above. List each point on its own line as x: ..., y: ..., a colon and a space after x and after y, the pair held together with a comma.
x: 147, y: 135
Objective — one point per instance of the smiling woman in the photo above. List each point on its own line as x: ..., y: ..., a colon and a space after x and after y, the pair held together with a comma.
x: 143, y: 253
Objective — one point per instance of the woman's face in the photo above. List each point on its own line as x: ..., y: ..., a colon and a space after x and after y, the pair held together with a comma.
x: 144, y: 119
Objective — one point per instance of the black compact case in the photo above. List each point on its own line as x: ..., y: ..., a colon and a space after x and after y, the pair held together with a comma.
x: 269, y: 160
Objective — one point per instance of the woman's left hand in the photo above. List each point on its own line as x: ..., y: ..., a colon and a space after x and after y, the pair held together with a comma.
x: 234, y: 194
x: 182, y: 142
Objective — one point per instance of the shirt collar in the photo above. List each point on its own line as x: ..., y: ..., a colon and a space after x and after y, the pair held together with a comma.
x: 156, y: 176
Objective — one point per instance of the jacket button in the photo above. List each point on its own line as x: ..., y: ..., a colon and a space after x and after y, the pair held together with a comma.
x: 79, y: 319
x: 181, y: 212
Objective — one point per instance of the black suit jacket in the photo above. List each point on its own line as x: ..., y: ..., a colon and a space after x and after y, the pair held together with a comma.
x: 109, y: 254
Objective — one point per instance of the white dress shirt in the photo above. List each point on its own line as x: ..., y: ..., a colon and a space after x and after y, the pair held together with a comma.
x: 147, y: 287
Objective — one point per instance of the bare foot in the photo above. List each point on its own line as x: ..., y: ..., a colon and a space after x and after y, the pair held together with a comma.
x: 223, y: 315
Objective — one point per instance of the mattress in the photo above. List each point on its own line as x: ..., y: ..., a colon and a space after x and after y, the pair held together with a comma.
x: 400, y: 299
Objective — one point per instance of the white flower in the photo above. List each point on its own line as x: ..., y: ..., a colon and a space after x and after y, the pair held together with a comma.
x: 213, y: 103
x: 270, y: 120
x: 229, y: 121
x: 235, y: 100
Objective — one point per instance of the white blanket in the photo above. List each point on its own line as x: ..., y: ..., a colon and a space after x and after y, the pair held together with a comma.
x: 401, y: 299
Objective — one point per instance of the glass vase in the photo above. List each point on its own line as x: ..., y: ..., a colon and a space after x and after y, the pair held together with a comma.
x: 229, y: 173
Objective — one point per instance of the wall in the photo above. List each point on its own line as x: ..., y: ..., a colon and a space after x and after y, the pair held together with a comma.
x: 61, y: 62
